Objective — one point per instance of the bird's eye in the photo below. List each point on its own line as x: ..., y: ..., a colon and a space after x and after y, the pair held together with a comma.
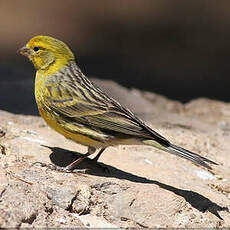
x: 36, y: 48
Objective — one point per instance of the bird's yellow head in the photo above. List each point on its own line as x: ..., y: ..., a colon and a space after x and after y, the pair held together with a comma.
x: 47, y: 53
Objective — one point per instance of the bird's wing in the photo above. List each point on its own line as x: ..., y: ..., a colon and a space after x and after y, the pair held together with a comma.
x: 95, y: 110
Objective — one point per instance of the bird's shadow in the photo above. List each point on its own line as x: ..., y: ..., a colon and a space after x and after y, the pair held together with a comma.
x: 62, y: 157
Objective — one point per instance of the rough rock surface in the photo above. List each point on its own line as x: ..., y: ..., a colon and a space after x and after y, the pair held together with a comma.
x: 144, y: 187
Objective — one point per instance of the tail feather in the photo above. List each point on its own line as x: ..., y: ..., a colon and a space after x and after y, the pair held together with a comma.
x: 184, y: 153
x: 181, y: 152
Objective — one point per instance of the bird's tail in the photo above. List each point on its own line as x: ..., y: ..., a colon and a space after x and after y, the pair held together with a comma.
x: 181, y: 152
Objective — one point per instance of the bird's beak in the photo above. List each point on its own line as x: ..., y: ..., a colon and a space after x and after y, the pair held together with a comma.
x: 24, y: 51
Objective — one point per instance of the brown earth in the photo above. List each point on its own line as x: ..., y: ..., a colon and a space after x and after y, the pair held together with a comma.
x: 144, y: 187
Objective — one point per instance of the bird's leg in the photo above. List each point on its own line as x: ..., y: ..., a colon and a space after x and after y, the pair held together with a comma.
x: 105, y: 169
x: 98, y: 155
x: 71, y: 166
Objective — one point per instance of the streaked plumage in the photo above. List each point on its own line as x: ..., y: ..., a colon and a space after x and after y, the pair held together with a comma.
x: 76, y: 108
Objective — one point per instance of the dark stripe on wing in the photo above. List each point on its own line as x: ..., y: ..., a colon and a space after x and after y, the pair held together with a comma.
x: 111, y: 116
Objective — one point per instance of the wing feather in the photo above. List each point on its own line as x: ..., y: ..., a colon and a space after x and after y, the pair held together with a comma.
x: 95, y: 110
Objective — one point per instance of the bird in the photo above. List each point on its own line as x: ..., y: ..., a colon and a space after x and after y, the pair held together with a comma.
x: 79, y: 110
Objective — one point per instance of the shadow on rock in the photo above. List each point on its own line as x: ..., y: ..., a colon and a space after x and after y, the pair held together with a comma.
x: 62, y: 157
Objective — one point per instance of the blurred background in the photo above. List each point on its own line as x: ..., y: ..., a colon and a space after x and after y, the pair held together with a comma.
x: 179, y: 49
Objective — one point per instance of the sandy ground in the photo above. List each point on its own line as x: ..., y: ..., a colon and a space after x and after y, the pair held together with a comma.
x: 144, y: 187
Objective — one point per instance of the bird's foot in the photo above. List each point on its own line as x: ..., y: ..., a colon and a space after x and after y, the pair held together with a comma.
x: 59, y: 168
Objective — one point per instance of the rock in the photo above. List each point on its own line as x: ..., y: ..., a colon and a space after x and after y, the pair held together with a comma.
x: 90, y: 220
x: 144, y: 187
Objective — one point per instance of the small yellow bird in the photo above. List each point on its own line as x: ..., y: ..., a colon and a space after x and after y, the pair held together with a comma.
x: 80, y: 111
